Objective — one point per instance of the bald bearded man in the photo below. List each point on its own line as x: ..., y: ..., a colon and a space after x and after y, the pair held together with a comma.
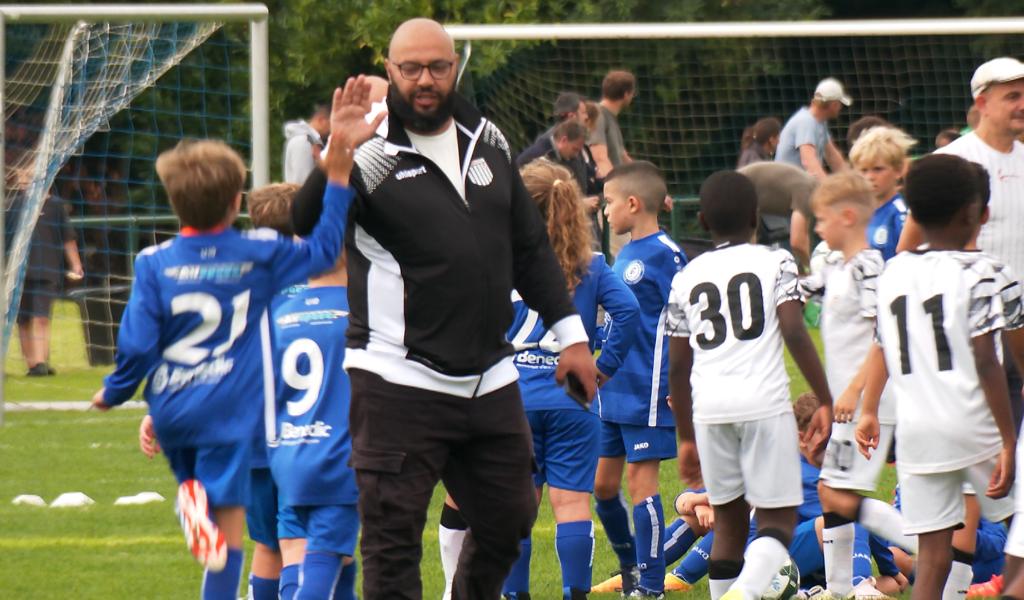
x: 440, y: 232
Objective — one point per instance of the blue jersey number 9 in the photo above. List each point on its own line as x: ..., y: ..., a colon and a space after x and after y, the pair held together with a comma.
x: 311, y: 381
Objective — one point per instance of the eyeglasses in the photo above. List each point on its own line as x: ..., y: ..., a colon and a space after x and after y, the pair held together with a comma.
x: 439, y: 69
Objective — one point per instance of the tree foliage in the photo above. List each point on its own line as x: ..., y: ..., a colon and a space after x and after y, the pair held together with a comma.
x: 315, y: 45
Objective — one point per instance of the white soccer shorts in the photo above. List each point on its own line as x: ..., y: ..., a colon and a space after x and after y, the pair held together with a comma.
x: 935, y: 501
x: 845, y: 468
x: 756, y: 459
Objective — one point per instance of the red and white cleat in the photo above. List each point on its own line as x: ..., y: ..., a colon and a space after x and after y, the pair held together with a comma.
x: 205, y: 540
x: 992, y: 588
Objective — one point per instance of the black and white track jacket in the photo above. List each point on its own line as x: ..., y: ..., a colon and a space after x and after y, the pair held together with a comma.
x: 430, y: 274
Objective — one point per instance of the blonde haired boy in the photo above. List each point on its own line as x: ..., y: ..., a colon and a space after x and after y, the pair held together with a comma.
x: 880, y: 156
x: 843, y: 206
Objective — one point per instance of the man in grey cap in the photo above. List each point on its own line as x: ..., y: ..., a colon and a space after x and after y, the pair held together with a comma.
x: 805, y: 141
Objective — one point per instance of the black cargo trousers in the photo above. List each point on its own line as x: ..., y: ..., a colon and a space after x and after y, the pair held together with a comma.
x: 406, y: 439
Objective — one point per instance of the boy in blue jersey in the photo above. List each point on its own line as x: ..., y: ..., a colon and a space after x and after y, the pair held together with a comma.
x: 636, y: 423
x: 565, y: 434
x: 987, y: 559
x: 185, y: 331
x: 310, y: 462
x: 279, y: 544
x: 805, y: 549
x: 728, y: 314
x: 880, y: 156
x: 269, y: 207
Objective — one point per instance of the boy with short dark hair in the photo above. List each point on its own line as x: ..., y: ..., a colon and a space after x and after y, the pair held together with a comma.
x: 186, y: 331
x: 636, y: 423
x: 939, y: 310
x: 728, y: 314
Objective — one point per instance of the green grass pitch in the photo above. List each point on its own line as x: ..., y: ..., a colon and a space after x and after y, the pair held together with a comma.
x: 107, y: 552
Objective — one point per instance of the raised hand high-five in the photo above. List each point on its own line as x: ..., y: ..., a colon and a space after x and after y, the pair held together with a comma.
x: 349, y: 127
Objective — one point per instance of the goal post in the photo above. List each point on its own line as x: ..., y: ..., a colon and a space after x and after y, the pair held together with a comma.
x: 90, y: 95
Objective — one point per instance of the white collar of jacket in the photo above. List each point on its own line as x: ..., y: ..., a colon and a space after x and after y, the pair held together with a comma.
x: 468, y: 121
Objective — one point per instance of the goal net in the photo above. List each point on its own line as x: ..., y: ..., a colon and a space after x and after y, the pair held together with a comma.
x: 88, y: 106
x: 701, y: 85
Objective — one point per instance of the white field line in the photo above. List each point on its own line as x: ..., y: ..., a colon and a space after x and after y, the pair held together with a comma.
x: 74, y: 405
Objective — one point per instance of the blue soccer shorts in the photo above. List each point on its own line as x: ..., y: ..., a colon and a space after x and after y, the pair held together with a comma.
x: 223, y: 471
x: 330, y: 528
x: 638, y: 443
x: 261, y: 509
x: 565, y: 446
x: 288, y: 524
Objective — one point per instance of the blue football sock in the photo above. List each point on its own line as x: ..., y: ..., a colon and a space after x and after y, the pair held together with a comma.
x: 678, y: 539
x: 320, y: 571
x: 346, y: 588
x: 518, y: 579
x: 289, y: 581
x: 224, y: 585
x: 613, y: 515
x: 263, y: 589
x: 649, y: 521
x: 861, y: 555
x: 574, y: 544
x: 694, y: 565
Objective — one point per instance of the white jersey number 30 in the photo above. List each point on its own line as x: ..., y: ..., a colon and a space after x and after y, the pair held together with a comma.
x: 747, y: 326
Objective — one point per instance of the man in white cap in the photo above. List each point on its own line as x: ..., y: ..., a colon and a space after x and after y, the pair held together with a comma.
x: 805, y: 141
x: 998, y: 90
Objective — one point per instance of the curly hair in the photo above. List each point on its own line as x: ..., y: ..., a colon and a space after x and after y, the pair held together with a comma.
x: 559, y: 199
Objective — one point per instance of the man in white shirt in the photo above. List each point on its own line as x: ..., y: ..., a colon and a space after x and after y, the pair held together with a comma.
x: 998, y: 90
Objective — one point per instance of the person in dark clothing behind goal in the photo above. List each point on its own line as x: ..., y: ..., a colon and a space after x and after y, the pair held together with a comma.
x: 52, y: 257
x: 440, y: 232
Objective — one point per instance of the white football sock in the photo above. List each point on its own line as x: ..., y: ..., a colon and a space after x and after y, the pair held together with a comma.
x: 762, y: 560
x: 883, y: 520
x: 837, y: 545
x: 960, y: 576
x: 719, y: 587
x: 451, y: 548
